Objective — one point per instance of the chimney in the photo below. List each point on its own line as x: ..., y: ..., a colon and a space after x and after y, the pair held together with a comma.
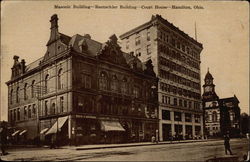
x: 15, y: 58
x: 53, y: 29
x: 23, y: 66
x: 87, y: 36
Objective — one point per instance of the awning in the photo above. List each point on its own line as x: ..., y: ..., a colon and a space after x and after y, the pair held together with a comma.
x: 44, y: 130
x: 111, y: 126
x: 15, y: 133
x: 24, y: 131
x: 57, y: 125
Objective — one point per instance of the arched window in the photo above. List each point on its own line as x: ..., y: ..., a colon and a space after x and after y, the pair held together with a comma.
x: 103, y: 81
x: 33, y: 89
x: 11, y: 96
x: 17, y: 95
x: 124, y: 86
x: 114, y: 83
x: 59, y: 82
x: 46, y: 83
x: 214, y: 116
x: 25, y: 91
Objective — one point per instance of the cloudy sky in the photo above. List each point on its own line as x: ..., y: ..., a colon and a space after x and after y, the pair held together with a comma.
x: 222, y: 28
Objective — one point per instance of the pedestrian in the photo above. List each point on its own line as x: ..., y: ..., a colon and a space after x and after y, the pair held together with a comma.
x: 3, y: 138
x: 53, y: 141
x: 227, y: 144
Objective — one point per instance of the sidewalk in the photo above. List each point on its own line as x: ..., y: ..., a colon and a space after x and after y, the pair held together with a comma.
x: 105, y: 146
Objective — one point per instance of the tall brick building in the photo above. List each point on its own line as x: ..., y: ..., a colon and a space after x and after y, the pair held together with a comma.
x: 176, y: 60
x: 83, y: 91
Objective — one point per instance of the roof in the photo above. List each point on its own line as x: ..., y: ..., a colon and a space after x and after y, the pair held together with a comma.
x: 33, y: 65
x: 93, y: 47
x: 64, y: 38
x: 208, y: 75
x: 164, y: 21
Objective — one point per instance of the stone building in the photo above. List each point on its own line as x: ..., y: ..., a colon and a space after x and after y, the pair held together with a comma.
x: 221, y: 115
x: 176, y: 60
x: 83, y: 91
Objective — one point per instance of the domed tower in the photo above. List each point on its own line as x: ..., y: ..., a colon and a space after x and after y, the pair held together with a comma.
x: 209, y: 93
x: 210, y: 107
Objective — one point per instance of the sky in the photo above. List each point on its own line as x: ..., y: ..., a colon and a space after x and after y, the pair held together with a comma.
x: 222, y: 28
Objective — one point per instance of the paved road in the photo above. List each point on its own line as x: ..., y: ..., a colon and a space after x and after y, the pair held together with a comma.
x: 199, y: 151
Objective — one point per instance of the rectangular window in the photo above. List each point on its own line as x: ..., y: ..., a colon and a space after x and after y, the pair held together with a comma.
x: 46, y: 108
x: 25, y: 112
x: 188, y: 117
x: 29, y: 111
x: 149, y: 49
x: 197, y: 118
x: 15, y: 115
x: 148, y: 36
x: 127, y: 45
x: 136, y: 92
x: 137, y: 40
x: 138, y: 52
x: 177, y: 116
x: 185, y: 103
x: 180, y: 102
x: 175, y: 101
x: 165, y: 115
x: 163, y: 99
x: 85, y: 81
x: 61, y: 104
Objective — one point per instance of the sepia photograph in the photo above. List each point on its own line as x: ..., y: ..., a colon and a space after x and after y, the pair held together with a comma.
x: 124, y: 81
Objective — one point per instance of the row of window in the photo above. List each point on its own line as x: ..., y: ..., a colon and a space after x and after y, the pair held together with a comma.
x: 179, y: 102
x: 182, y: 92
x: 164, y: 36
x: 178, y: 116
x: 178, y: 79
x: 25, y: 94
x: 179, y: 68
x: 52, y: 109
x: 173, y: 54
x: 34, y: 89
x: 211, y: 117
x: 28, y: 112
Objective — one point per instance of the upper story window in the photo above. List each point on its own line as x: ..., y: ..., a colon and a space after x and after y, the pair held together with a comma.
x: 114, y: 83
x: 103, y: 81
x: 149, y: 49
x: 33, y: 89
x: 124, y: 86
x: 18, y: 114
x: 165, y: 114
x: 15, y: 115
x: 46, y: 108
x: 138, y: 52
x: 197, y: 118
x: 148, y: 36
x: 25, y: 111
x: 177, y: 116
x: 53, y: 108
x: 214, y: 116
x: 25, y: 91
x: 60, y: 85
x: 137, y: 40
x: 188, y: 117
x: 46, y: 86
x: 11, y: 96
x: 34, y: 108
x: 61, y: 104
x: 136, y: 92
x: 17, y: 95
x: 127, y: 45
x: 85, y: 80
x: 29, y: 111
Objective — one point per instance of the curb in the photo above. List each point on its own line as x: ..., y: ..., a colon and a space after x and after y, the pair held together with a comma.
x: 135, y: 145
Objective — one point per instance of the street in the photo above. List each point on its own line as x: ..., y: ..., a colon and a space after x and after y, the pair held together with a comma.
x: 197, y: 151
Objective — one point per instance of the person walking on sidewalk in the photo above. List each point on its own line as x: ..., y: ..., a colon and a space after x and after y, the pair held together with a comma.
x: 3, y: 138
x: 227, y: 144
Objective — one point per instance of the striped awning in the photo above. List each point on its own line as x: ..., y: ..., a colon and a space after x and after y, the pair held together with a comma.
x: 111, y: 126
x: 24, y: 131
x: 15, y: 133
x: 57, y: 125
x: 44, y: 130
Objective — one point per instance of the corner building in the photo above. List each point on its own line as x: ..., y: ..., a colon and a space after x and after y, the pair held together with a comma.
x: 176, y: 60
x: 83, y: 91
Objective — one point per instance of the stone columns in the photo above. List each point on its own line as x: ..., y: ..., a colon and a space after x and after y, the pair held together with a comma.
x: 172, y: 123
